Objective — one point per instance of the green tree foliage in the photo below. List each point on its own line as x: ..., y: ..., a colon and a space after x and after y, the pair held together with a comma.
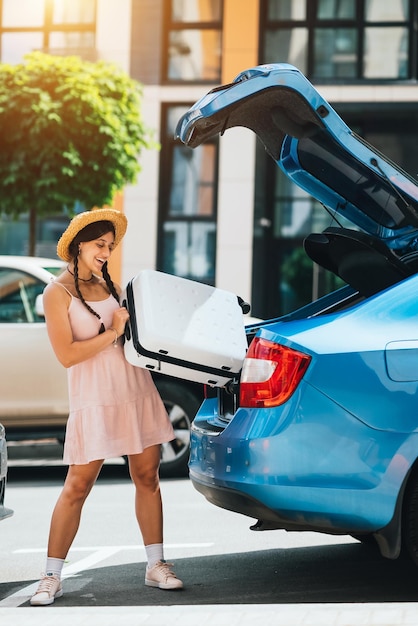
x: 297, y: 275
x: 70, y: 131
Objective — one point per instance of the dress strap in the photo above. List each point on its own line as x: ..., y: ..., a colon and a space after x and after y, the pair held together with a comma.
x: 55, y: 282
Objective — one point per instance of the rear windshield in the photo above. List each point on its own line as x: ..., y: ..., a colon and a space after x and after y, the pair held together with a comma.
x: 321, y: 156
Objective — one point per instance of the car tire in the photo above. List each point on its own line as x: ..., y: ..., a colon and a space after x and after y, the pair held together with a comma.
x: 182, y: 405
x: 410, y: 519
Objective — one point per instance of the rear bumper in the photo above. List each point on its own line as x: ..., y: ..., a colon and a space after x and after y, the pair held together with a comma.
x: 240, y: 502
x: 297, y: 470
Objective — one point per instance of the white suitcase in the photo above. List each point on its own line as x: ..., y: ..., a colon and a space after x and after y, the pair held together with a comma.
x: 184, y: 328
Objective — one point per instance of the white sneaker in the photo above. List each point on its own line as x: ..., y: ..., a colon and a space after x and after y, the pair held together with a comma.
x: 49, y: 588
x: 162, y: 576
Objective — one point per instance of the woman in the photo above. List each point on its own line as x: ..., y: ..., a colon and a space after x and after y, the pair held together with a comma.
x: 115, y: 408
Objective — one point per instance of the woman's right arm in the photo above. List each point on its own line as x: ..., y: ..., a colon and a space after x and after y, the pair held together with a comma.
x: 68, y: 351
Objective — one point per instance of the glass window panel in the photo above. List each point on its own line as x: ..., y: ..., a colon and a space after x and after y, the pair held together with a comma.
x: 193, y: 181
x: 74, y: 12
x: 23, y: 13
x: 335, y: 53
x: 286, y: 10
x: 18, y: 293
x: 295, y: 275
x: 293, y: 210
x: 400, y: 143
x: 74, y: 42
x: 287, y: 46
x: 196, y: 10
x: 296, y: 213
x: 390, y: 45
x: 15, y: 45
x: 14, y: 234
x: 395, y: 10
x: 194, y: 55
x: 336, y: 9
x: 189, y: 249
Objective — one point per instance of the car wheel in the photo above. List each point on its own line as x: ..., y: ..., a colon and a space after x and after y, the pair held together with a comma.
x: 410, y: 519
x: 181, y: 405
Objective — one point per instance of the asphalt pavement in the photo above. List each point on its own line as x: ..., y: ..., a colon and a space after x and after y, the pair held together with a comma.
x: 308, y: 607
x: 398, y: 614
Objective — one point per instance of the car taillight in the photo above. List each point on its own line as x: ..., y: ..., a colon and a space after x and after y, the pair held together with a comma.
x: 270, y: 374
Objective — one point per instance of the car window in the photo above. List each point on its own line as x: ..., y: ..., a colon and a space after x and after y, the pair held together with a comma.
x: 18, y: 292
x: 54, y: 270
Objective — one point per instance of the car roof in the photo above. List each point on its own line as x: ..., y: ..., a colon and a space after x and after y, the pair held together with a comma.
x: 13, y: 260
x: 38, y: 266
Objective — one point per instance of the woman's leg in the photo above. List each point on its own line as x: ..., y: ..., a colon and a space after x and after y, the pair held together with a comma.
x: 67, y: 512
x: 149, y: 512
x: 64, y: 525
x: 143, y: 469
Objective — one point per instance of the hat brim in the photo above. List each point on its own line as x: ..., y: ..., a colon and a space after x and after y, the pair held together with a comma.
x: 81, y: 220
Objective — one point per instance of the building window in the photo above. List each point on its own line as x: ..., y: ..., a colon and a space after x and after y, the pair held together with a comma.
x: 193, y: 41
x: 341, y: 40
x: 53, y: 26
x: 187, y: 223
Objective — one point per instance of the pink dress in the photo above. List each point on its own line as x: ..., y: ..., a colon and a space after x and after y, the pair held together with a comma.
x: 115, y: 408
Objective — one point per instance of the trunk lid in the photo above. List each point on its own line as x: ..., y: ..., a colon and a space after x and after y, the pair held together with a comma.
x: 316, y: 149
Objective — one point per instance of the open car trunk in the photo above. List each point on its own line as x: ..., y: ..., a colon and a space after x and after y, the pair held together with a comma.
x: 319, y: 152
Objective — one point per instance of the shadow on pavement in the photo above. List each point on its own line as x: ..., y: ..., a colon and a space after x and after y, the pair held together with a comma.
x: 349, y: 573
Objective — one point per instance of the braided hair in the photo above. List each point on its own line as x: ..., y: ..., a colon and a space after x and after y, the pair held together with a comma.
x: 89, y: 233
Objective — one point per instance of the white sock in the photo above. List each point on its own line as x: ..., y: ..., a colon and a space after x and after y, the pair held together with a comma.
x: 155, y: 553
x: 54, y: 566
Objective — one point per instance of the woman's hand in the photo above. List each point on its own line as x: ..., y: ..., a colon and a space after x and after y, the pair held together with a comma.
x: 68, y: 351
x: 120, y: 317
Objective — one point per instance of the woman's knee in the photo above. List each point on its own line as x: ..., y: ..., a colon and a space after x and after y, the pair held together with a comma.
x: 76, y: 490
x: 79, y: 483
x: 144, y: 470
x: 147, y: 478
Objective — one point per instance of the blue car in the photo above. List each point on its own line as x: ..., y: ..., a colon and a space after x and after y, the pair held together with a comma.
x: 321, y: 431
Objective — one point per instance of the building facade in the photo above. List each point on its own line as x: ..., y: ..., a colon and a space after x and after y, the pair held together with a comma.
x: 223, y: 213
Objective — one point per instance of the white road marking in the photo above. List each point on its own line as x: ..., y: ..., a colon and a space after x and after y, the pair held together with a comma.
x: 99, y: 553
x: 135, y: 547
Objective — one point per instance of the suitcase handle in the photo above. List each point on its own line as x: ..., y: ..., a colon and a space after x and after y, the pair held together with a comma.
x: 127, y: 331
x: 245, y: 306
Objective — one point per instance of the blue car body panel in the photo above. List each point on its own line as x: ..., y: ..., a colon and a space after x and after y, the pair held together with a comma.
x: 312, y: 474
x: 337, y: 455
x: 337, y: 439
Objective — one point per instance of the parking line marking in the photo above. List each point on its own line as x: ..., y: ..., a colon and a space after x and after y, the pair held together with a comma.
x: 134, y: 547
x: 100, y: 553
x: 23, y: 595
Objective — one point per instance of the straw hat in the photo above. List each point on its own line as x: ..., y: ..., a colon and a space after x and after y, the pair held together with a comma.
x: 81, y: 220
